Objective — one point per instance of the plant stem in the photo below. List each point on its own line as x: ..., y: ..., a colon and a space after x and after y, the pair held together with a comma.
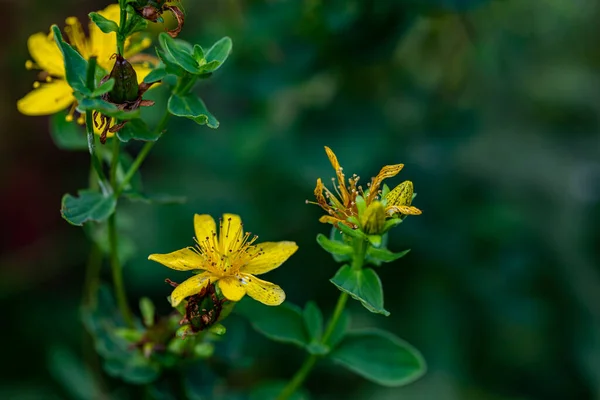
x: 92, y: 277
x: 358, y: 259
x: 122, y: 26
x: 142, y: 155
x: 117, y: 271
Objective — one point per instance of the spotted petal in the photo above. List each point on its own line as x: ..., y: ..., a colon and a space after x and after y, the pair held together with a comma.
x: 231, y: 232
x: 45, y: 53
x: 232, y: 288
x: 180, y: 260
x: 266, y: 292
x: 272, y: 255
x: 47, y: 99
x: 204, y: 227
x: 190, y: 287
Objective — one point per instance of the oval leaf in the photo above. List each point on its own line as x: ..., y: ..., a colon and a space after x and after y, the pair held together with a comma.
x: 89, y: 206
x: 380, y: 357
x: 217, y: 54
x: 105, y: 25
x: 283, y: 323
x: 334, y: 247
x: 192, y: 107
x: 180, y: 51
x: 136, y: 129
x: 363, y: 285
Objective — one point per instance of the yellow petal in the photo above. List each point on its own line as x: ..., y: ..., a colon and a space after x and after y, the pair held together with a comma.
x: 272, y: 255
x: 104, y: 45
x: 76, y: 37
x: 47, y: 99
x: 386, y: 172
x: 45, y: 53
x: 231, y: 232
x: 232, y: 288
x: 204, y: 227
x: 189, y: 287
x: 266, y: 292
x: 181, y: 260
x: 141, y: 72
x: 406, y: 210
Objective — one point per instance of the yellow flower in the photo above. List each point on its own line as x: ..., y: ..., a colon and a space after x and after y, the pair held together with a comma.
x: 344, y: 203
x: 54, y: 94
x: 229, y: 258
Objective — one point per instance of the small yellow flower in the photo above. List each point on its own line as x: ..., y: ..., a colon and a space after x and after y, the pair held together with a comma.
x: 342, y: 205
x: 229, y: 258
x: 54, y: 94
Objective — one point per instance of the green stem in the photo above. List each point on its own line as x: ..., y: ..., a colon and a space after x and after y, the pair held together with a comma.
x: 117, y: 271
x: 92, y: 277
x: 358, y: 260
x: 142, y: 155
x: 122, y: 26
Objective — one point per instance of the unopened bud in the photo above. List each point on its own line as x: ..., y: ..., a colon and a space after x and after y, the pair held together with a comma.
x: 373, y: 218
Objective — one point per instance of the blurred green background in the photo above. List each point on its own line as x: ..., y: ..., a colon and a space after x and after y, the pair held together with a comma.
x: 493, y: 107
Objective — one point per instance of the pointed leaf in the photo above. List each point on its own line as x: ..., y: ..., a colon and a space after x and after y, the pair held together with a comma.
x: 192, y: 107
x: 89, y: 206
x: 378, y: 256
x: 105, y: 108
x: 155, y: 75
x: 180, y: 51
x: 363, y: 285
x: 217, y: 54
x: 334, y: 247
x: 104, y: 88
x: 380, y: 357
x: 105, y: 25
x: 75, y: 64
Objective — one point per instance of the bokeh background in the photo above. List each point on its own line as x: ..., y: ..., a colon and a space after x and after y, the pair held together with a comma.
x: 493, y: 107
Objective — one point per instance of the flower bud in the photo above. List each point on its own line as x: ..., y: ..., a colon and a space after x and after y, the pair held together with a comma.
x: 401, y: 195
x: 373, y: 218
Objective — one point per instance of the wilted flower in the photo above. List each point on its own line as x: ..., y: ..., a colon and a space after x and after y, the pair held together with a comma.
x: 349, y: 204
x: 52, y: 93
x: 230, y: 259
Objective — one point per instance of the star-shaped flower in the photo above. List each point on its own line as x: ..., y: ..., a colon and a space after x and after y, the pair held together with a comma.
x: 228, y: 258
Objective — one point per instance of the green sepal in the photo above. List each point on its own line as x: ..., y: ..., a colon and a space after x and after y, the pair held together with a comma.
x: 313, y: 320
x: 180, y: 51
x: 380, y: 357
x: 283, y: 323
x: 137, y: 129
x: 217, y: 329
x: 354, y: 233
x: 105, y: 108
x: 155, y: 75
x: 216, y: 55
x: 363, y: 285
x: 361, y: 205
x: 391, y: 223
x: 75, y: 65
x: 147, y: 310
x: 88, y: 206
x: 378, y: 256
x: 339, y: 249
x: 104, y: 88
x: 67, y: 135
x: 192, y: 107
x: 105, y: 25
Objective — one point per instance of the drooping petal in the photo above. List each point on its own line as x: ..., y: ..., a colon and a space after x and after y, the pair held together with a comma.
x: 104, y: 45
x: 406, y: 210
x: 204, y: 227
x: 340, y: 176
x: 386, y: 172
x: 181, y: 260
x: 231, y: 233
x: 232, y: 288
x: 271, y: 255
x: 266, y: 292
x: 190, y: 287
x: 47, y: 99
x: 326, y: 219
x: 45, y: 53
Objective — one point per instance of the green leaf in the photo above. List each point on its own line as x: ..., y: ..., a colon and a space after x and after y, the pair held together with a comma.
x: 180, y: 51
x: 147, y: 309
x: 343, y: 250
x: 192, y: 107
x: 89, y: 206
x: 363, y: 285
x: 377, y: 256
x: 135, y: 23
x: 283, y: 323
x: 375, y: 240
x: 105, y: 108
x: 155, y: 75
x: 313, y: 319
x: 217, y: 54
x: 136, y: 129
x: 67, y: 135
x: 199, y: 53
x: 335, y: 235
x: 380, y: 357
x: 171, y: 65
x: 104, y: 88
x: 354, y: 233
x: 75, y: 65
x: 391, y: 223
x: 105, y: 25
